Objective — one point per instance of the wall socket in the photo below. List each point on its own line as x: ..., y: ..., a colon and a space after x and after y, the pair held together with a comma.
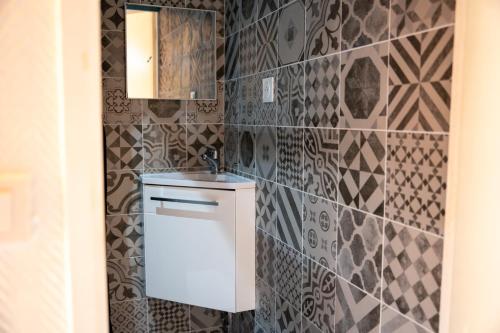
x: 268, y: 90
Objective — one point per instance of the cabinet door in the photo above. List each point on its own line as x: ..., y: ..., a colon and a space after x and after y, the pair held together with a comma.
x: 190, y: 245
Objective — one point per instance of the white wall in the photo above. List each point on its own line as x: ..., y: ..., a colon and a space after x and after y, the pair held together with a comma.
x: 471, y: 288
x: 50, y: 131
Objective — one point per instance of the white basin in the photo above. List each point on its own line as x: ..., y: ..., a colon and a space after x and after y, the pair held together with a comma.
x: 198, y: 179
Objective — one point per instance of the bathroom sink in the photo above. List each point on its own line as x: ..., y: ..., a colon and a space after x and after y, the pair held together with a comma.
x: 223, y: 180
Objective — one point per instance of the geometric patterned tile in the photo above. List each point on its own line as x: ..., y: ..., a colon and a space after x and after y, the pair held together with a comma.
x: 123, y: 195
x: 207, y: 111
x: 364, y: 22
x: 247, y: 149
x: 221, y: 48
x: 355, y: 311
x: 113, y: 53
x: 360, y: 250
x: 412, y: 273
x: 290, y: 156
x: 125, y: 279
x: 248, y: 100
x: 112, y: 14
x: 231, y: 56
x: 266, y: 206
x: 321, y: 162
x: 248, y: 49
x: 416, y: 180
x: 232, y: 16
x: 289, y: 223
x: 290, y: 95
x: 393, y: 322
x: 124, y: 236
x: 243, y: 322
x: 413, y: 16
x: 288, y: 274
x: 164, y: 146
x: 309, y: 327
x: 322, y: 90
x: 231, y: 100
x: 323, y: 27
x: 320, y: 230
x: 265, y: 257
x: 291, y: 33
x: 265, y: 148
x: 201, y: 318
x: 267, y: 52
x: 123, y: 147
x: 264, y: 306
x: 420, y: 81
x: 118, y: 109
x: 364, y: 88
x: 288, y: 319
x: 166, y: 316
x: 158, y: 111
x: 362, y: 170
x: 266, y: 7
x: 231, y: 142
x: 318, y: 295
x: 248, y: 12
x: 129, y: 317
x: 201, y: 137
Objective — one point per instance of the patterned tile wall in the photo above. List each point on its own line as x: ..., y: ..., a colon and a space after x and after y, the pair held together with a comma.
x: 153, y: 136
x: 350, y: 159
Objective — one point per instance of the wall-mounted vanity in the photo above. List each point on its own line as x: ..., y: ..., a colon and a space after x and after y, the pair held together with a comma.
x: 199, y: 231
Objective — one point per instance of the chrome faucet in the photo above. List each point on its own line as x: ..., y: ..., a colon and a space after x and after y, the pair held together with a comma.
x: 211, y: 157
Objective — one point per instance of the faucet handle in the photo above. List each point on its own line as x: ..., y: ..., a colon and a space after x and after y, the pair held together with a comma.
x: 212, y: 152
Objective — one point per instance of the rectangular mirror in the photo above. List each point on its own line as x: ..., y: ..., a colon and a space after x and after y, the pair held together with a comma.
x: 170, y: 53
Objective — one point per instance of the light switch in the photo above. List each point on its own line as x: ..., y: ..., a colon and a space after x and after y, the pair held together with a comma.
x: 5, y: 211
x: 268, y: 90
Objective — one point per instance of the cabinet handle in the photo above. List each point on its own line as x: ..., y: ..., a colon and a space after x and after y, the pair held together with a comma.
x: 193, y: 202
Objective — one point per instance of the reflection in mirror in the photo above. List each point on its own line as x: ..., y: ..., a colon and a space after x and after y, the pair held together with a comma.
x: 170, y: 53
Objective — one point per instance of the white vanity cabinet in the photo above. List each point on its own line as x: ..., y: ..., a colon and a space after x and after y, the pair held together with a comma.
x: 200, y: 241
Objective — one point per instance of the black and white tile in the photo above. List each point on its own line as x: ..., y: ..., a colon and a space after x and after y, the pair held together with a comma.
x: 249, y: 98
x: 323, y: 18
x: 166, y: 316
x: 248, y: 49
x: 126, y: 279
x: 207, y: 111
x: 267, y: 6
x: 129, y: 316
x: 394, y: 322
x: 288, y: 274
x: 266, y: 205
x: 118, y: 109
x: 291, y: 33
x: 248, y: 12
x: 231, y: 147
x: 265, y: 314
x: 164, y: 146
x: 124, y: 236
x: 412, y: 273
x: 322, y: 92
x: 156, y: 111
x: 232, y: 16
x: 123, y: 192
x: 288, y: 319
x: 267, y: 43
x: 200, y: 137
x: 113, y: 53
x: 265, y: 152
x: 265, y: 255
x: 216, y: 5
x: 319, y: 222
x: 247, y: 149
x: 321, y: 162
x: 232, y: 56
x: 203, y: 318
x: 360, y: 250
x: 290, y: 95
x: 289, y: 220
x: 231, y: 101
x: 290, y: 156
x: 318, y: 295
x: 123, y: 147
x: 362, y: 170
x: 113, y: 14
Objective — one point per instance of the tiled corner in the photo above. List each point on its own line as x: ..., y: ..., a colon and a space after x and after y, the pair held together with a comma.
x: 290, y: 95
x: 356, y: 312
x: 126, y: 279
x: 266, y: 205
x: 124, y: 236
x: 265, y: 257
x: 413, y: 16
x: 318, y: 295
x: 123, y: 192
x: 289, y: 222
x: 360, y: 250
x: 321, y: 162
x: 247, y: 149
x: 164, y: 146
x: 265, y: 149
x: 290, y: 156
x: 319, y: 221
x: 362, y: 170
x: 416, y: 180
x: 291, y: 33
x: 364, y: 88
x: 265, y: 314
x: 207, y: 111
x: 288, y: 319
x: 364, y: 23
x: 117, y: 108
x: 420, y: 81
x: 166, y: 316
x: 322, y: 92
x: 412, y: 273
x: 129, y: 316
x: 288, y: 274
x: 203, y: 136
x: 323, y: 19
